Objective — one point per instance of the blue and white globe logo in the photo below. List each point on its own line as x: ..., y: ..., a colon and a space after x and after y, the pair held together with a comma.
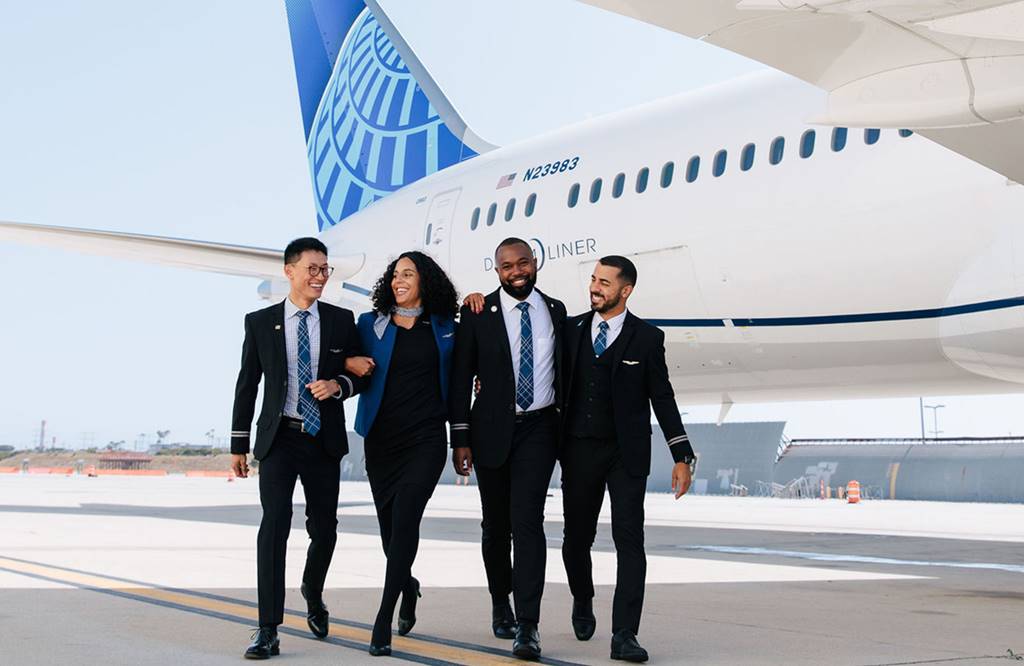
x: 375, y: 130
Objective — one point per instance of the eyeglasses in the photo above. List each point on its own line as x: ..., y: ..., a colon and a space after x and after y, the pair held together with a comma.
x: 324, y: 270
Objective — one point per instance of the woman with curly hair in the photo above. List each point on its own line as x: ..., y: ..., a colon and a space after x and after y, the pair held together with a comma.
x: 408, y: 336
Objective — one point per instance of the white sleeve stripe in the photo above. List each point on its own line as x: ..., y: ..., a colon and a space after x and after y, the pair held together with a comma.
x: 679, y: 439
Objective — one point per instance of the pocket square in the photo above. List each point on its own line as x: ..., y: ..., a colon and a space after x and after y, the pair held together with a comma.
x: 631, y: 362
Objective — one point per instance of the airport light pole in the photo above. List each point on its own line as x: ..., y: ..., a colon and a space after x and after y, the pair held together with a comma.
x: 935, y: 418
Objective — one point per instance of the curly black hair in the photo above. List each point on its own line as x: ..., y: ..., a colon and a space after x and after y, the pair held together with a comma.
x: 436, y: 290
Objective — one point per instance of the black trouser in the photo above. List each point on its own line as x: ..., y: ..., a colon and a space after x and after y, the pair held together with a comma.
x: 399, y: 517
x: 588, y: 466
x: 295, y: 455
x: 512, y: 497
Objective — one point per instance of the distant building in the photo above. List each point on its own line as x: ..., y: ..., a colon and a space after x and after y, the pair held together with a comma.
x: 124, y: 460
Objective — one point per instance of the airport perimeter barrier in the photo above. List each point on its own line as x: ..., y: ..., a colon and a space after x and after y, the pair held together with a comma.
x: 51, y: 470
x: 215, y: 474
x: 130, y: 472
x: 9, y: 470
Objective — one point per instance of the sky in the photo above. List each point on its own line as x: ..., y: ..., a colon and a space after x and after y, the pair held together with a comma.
x: 182, y: 119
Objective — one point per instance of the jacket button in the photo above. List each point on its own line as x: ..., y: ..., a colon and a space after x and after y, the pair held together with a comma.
x: 285, y: 383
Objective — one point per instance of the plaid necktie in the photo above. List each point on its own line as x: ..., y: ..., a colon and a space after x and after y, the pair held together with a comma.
x: 524, y: 384
x: 601, y: 341
x: 308, y: 409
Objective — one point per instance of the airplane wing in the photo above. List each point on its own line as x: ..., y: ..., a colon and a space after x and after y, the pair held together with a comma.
x: 953, y: 70
x: 198, y: 255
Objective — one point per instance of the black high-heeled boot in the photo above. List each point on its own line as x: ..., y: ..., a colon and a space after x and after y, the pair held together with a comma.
x: 407, y: 610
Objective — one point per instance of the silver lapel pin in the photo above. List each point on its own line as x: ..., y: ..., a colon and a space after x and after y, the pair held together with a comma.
x: 278, y: 327
x: 494, y: 308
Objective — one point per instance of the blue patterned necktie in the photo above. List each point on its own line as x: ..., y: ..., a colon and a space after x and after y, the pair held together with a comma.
x: 601, y: 341
x: 524, y: 384
x: 308, y: 409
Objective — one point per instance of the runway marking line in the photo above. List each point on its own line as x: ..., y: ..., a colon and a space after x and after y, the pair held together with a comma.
x: 346, y: 633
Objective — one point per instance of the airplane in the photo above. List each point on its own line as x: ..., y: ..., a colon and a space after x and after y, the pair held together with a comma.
x: 847, y: 226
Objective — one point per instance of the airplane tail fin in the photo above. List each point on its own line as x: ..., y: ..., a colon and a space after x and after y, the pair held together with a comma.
x: 374, y: 118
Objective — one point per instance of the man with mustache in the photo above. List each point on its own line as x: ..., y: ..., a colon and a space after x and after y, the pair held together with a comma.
x: 615, y: 372
x: 512, y: 347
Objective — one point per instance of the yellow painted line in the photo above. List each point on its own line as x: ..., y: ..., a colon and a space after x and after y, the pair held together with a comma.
x: 449, y: 653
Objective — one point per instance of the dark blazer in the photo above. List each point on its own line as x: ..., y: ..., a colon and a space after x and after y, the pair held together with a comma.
x: 263, y: 356
x: 639, y: 381
x: 482, y: 351
x: 381, y: 348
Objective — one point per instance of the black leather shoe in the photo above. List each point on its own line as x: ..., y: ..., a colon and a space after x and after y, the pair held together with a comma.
x: 317, y: 616
x: 527, y: 642
x: 583, y: 621
x: 503, y: 621
x: 264, y: 644
x: 407, y: 611
x: 380, y: 639
x: 625, y: 647
x: 379, y: 650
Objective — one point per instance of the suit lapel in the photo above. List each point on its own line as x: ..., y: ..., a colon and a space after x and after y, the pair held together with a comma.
x: 277, y: 333
x: 496, y: 314
x: 326, y: 326
x: 621, y: 342
x: 574, y: 341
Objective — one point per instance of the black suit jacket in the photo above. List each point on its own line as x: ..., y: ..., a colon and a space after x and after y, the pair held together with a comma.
x: 263, y: 356
x: 482, y: 351
x: 639, y: 381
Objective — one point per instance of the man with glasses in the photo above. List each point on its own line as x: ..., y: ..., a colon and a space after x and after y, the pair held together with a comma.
x: 298, y: 348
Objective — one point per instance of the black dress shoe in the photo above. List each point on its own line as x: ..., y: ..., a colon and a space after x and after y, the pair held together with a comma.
x: 503, y: 621
x: 380, y: 639
x: 379, y: 650
x: 625, y: 647
x: 583, y: 621
x: 317, y: 616
x: 527, y: 642
x: 264, y: 644
x: 407, y: 611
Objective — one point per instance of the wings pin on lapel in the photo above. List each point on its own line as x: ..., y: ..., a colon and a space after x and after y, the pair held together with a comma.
x: 448, y: 335
x: 277, y: 327
x: 625, y: 362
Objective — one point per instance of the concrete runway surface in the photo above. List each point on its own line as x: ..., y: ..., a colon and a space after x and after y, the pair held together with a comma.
x: 121, y: 570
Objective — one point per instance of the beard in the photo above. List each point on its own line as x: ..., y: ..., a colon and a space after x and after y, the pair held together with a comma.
x: 519, y: 293
x: 609, y: 303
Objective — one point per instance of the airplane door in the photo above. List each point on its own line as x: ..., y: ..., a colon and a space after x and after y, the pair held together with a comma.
x: 437, y: 229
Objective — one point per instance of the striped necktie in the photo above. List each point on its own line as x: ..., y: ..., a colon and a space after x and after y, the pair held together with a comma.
x: 308, y: 408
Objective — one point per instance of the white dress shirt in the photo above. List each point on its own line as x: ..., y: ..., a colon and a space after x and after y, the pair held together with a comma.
x: 291, y: 348
x: 543, y: 346
x: 614, y: 327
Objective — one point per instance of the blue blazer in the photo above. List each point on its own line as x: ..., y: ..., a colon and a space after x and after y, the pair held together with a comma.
x: 380, y: 350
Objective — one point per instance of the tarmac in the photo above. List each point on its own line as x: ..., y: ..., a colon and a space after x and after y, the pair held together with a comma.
x: 125, y: 570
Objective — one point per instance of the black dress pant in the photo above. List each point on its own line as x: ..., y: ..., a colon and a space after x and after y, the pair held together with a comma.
x: 512, y: 497
x: 295, y: 455
x: 588, y: 467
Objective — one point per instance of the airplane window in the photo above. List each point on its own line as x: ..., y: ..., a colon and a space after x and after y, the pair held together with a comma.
x: 905, y: 133
x: 666, y: 174
x: 692, y: 169
x: 531, y: 203
x: 617, y: 185
x: 807, y: 144
x: 474, y: 221
x: 574, y: 195
x: 491, y: 212
x: 747, y: 157
x: 871, y: 136
x: 510, y: 209
x: 777, y: 150
x: 595, y: 190
x: 838, y: 139
x: 719, y: 166
x: 641, y: 180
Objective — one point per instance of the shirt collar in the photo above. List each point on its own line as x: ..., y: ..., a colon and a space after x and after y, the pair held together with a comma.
x: 508, y: 303
x: 290, y: 309
x: 614, y: 324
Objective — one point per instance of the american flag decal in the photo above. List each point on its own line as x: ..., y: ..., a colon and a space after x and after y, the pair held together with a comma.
x: 505, y: 181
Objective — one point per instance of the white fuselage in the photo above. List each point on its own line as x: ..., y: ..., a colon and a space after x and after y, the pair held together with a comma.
x: 819, y: 277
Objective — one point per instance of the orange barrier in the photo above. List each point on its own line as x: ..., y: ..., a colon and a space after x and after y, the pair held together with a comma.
x: 9, y: 470
x: 90, y: 470
x: 853, y: 492
x: 216, y: 474
x: 51, y: 470
x: 129, y: 472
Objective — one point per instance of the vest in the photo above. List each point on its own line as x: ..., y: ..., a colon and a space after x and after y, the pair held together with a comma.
x: 590, y: 412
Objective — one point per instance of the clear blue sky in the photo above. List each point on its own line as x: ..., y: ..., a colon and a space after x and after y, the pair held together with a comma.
x: 182, y: 119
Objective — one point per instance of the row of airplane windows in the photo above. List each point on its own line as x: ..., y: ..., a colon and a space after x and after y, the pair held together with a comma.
x: 776, y: 152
